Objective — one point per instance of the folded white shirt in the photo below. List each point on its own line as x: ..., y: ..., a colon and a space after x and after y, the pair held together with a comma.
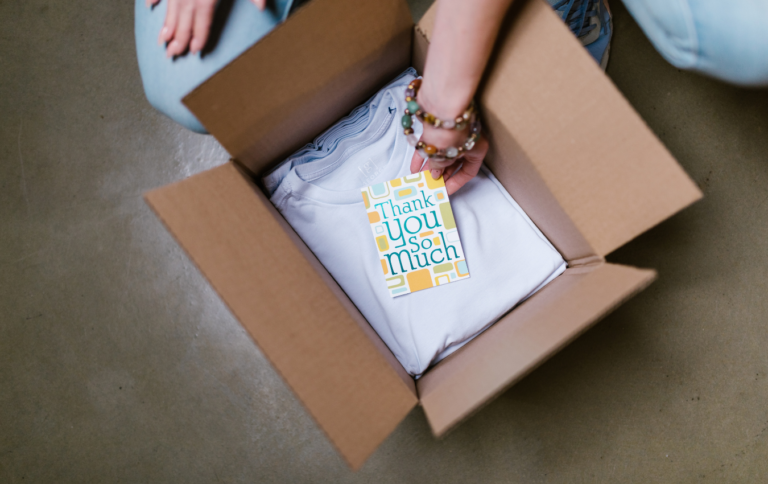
x: 317, y: 190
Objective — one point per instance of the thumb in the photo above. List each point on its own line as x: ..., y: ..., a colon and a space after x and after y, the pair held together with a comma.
x: 469, y: 168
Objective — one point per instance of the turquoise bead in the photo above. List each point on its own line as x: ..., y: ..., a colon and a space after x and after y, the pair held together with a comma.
x: 407, y: 121
x: 412, y: 106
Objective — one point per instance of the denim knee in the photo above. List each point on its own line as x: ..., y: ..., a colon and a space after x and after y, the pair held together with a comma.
x: 167, y: 81
x: 167, y: 100
x: 728, y: 41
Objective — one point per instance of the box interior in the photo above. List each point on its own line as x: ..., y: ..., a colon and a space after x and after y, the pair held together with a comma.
x: 589, y: 185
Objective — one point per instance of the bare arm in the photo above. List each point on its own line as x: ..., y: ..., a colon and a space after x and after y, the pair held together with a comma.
x: 463, y: 37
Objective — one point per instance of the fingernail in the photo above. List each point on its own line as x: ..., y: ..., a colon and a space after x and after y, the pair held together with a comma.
x: 164, y: 32
x: 436, y: 174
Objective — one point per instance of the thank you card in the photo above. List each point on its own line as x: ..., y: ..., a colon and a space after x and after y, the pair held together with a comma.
x: 415, y: 233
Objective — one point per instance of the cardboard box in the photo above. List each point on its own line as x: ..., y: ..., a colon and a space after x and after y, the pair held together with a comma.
x: 564, y: 142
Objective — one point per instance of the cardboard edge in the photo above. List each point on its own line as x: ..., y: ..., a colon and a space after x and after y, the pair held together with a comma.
x: 331, y: 282
x: 427, y: 21
x: 419, y: 49
x: 253, y: 128
x: 421, y: 33
x: 301, y: 11
x: 354, y: 463
x: 636, y: 182
x: 694, y: 195
x: 433, y: 393
x: 512, y: 166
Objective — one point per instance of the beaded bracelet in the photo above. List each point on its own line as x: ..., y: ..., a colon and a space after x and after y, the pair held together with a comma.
x: 431, y: 151
x: 413, y: 109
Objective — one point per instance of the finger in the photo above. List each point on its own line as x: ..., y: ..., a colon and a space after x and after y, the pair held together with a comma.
x: 202, y: 26
x: 183, y: 32
x: 262, y: 4
x: 436, y: 168
x: 416, y: 162
x: 468, y: 171
x: 152, y: 3
x: 451, y: 170
x: 169, y: 26
x: 469, y: 168
x: 440, y: 165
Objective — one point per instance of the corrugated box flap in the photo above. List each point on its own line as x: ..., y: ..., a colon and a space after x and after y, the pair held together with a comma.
x: 524, y: 339
x: 231, y: 233
x: 608, y: 171
x: 303, y: 76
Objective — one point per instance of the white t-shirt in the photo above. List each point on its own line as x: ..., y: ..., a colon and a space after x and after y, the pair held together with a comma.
x: 317, y: 190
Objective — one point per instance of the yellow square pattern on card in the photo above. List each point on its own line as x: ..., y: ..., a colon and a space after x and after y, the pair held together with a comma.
x: 433, y: 184
x: 418, y: 280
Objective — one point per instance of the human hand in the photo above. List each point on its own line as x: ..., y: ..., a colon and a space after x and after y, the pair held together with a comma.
x: 458, y: 171
x: 460, y: 46
x: 188, y: 23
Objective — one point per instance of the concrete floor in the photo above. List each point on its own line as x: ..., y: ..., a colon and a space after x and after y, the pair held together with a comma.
x: 118, y: 363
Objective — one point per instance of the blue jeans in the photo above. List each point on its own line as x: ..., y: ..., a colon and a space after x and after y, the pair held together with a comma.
x: 725, y: 40
x: 166, y: 81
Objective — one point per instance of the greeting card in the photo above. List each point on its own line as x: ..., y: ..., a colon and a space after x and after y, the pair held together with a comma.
x: 415, y: 233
